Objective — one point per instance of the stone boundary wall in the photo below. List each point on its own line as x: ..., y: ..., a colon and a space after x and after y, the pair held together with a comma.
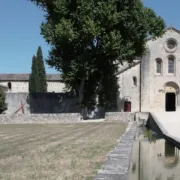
x: 62, y: 118
x: 40, y: 118
x: 120, y: 116
x: 42, y: 103
x: 117, y: 163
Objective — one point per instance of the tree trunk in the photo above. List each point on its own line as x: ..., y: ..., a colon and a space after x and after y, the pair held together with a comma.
x: 81, y: 92
x: 84, y: 111
x: 98, y: 112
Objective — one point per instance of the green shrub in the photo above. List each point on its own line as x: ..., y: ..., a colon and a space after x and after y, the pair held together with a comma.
x: 3, y: 105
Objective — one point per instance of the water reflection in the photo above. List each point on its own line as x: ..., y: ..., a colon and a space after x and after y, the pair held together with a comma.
x: 171, y: 155
x: 154, y: 159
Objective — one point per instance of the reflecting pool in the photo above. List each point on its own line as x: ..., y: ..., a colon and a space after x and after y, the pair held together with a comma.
x: 153, y: 158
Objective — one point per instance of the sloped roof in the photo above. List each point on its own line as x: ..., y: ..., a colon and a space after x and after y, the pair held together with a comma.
x: 25, y: 77
x: 173, y: 28
x: 169, y: 28
x: 128, y: 66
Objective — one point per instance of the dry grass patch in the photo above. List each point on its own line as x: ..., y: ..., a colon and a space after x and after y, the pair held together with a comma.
x: 56, y: 152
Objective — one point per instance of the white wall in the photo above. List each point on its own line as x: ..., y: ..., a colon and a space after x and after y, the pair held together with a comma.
x: 55, y: 86
x: 19, y: 86
x: 128, y: 90
x: 157, y: 82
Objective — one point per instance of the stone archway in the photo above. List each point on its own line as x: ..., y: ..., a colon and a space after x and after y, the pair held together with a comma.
x: 171, y: 87
x: 171, y: 96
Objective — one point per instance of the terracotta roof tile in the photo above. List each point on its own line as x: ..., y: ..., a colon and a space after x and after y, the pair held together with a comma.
x: 25, y: 77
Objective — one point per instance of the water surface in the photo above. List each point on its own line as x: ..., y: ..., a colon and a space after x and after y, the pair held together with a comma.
x: 153, y: 158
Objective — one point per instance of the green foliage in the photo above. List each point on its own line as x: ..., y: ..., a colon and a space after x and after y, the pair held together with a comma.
x: 3, y: 105
x: 37, y: 80
x: 41, y: 72
x: 149, y: 135
x: 90, y: 37
x: 33, y: 79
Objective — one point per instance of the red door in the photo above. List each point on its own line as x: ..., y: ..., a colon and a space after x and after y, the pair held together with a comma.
x: 127, y: 106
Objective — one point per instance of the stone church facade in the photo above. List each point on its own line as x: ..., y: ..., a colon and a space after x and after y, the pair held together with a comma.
x: 152, y: 83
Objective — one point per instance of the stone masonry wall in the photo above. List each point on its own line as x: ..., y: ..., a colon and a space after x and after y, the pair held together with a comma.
x: 120, y: 116
x: 60, y: 118
x: 40, y: 118
x: 42, y: 103
x: 127, y: 90
x: 117, y: 163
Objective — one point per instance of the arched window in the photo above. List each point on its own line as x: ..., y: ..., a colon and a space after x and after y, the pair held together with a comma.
x: 9, y: 85
x: 158, y: 66
x: 171, y: 65
x: 134, y: 81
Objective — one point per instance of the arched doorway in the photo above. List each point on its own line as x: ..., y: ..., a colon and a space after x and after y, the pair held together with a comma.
x: 171, y: 96
x: 170, y: 101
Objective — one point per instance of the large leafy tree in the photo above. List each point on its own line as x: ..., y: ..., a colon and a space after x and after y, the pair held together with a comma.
x: 89, y: 38
x: 33, y: 79
x: 41, y: 72
x: 3, y: 105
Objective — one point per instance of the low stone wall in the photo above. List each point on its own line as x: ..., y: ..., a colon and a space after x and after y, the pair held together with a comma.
x: 61, y: 118
x: 120, y: 116
x: 40, y: 118
x: 117, y: 163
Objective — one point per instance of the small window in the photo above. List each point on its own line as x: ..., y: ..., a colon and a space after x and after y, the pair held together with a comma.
x: 9, y: 85
x: 134, y: 81
x: 171, y: 65
x: 158, y: 66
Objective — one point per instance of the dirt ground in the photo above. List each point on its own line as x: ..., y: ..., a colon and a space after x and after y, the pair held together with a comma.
x: 56, y: 152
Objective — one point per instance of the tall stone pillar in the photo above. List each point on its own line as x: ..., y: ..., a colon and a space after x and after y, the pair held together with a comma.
x: 178, y: 100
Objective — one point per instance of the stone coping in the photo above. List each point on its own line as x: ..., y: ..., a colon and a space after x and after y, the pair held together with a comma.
x: 117, y: 163
x: 25, y: 77
x: 120, y: 116
x: 40, y: 118
x: 61, y: 118
x: 166, y: 124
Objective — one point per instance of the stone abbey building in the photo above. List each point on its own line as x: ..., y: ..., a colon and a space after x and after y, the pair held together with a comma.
x: 19, y: 83
x: 149, y: 84
x: 152, y: 83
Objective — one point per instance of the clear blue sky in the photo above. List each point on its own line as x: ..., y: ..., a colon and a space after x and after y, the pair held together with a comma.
x: 20, y: 31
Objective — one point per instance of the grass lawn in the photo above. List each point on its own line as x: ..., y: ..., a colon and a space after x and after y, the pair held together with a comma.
x: 56, y: 152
